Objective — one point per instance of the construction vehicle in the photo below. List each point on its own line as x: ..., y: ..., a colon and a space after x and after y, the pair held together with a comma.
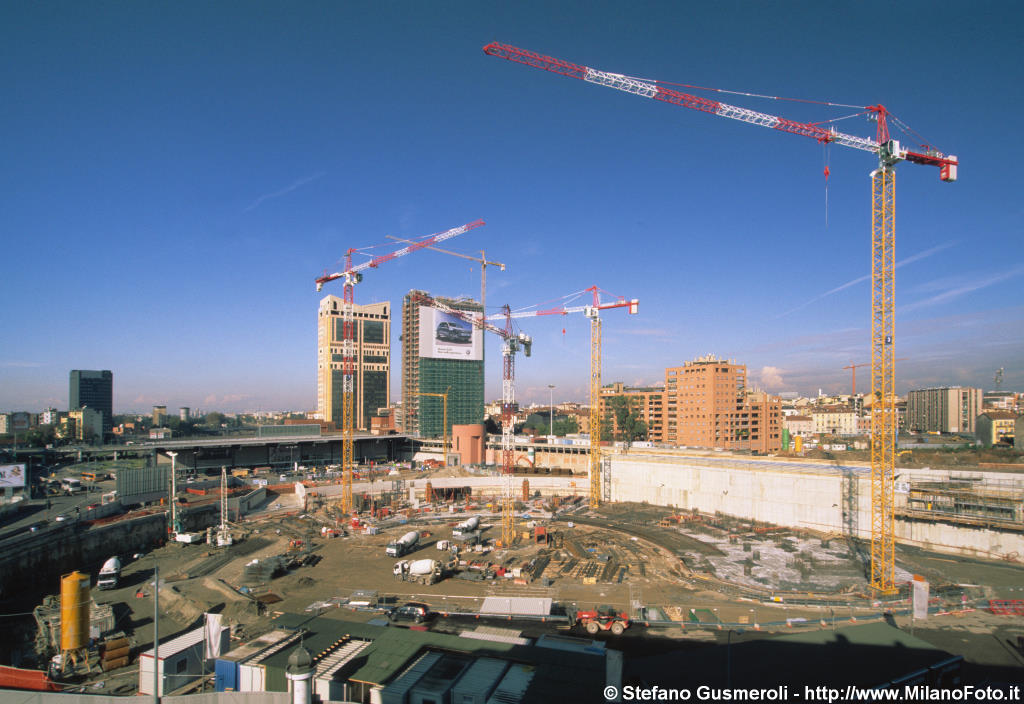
x: 110, y: 574
x: 603, y: 618
x: 403, y: 545
x: 421, y: 571
x: 467, y: 526
x: 889, y: 152
x: 353, y: 275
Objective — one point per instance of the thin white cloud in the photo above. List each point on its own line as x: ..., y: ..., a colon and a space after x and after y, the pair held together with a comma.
x: 963, y: 290
x: 284, y: 191
x: 18, y: 364
x: 909, y: 260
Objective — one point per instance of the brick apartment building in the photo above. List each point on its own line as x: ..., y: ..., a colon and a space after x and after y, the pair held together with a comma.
x: 708, y: 404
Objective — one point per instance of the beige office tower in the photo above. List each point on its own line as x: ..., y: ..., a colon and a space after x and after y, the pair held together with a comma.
x: 371, y: 363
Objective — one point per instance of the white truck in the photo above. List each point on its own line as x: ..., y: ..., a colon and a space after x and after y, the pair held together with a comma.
x: 422, y: 571
x: 466, y: 527
x: 190, y: 538
x: 110, y: 574
x: 403, y: 545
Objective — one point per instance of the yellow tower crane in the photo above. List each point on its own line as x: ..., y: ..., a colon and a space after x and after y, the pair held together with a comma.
x: 883, y: 258
x: 593, y: 312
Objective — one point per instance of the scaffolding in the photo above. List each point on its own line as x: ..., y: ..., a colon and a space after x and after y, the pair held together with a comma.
x: 969, y: 502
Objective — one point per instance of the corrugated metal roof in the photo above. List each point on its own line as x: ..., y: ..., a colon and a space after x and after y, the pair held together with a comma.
x: 516, y: 605
x: 513, y: 685
x: 495, y: 638
x: 399, y: 689
x: 182, y: 642
x: 333, y: 662
x: 255, y: 646
x: 479, y: 680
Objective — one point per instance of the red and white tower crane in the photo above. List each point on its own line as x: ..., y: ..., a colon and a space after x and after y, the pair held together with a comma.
x: 353, y: 275
x: 883, y: 260
x: 592, y: 311
x: 513, y: 343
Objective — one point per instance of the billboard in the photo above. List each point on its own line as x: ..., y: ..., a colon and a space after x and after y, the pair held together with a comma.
x: 12, y: 475
x: 445, y: 336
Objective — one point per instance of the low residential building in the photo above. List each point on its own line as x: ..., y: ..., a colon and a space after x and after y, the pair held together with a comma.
x: 1001, y: 400
x: 85, y: 425
x: 995, y: 428
x: 835, y: 420
x: 799, y: 426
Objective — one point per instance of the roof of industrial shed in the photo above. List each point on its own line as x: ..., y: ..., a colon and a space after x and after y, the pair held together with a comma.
x: 393, y: 649
x: 862, y: 655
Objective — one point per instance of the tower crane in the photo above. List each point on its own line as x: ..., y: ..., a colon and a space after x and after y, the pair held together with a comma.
x: 514, y: 342
x: 853, y: 373
x: 883, y: 260
x: 593, y: 312
x: 353, y: 275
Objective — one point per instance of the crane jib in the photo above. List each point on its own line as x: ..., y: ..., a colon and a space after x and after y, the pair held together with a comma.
x: 645, y: 89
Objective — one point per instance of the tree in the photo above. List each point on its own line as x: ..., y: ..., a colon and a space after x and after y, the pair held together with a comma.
x: 40, y: 436
x: 627, y: 419
x: 214, y: 418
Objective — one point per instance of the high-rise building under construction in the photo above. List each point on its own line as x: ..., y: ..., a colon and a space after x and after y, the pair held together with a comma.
x: 440, y: 354
x: 371, y: 361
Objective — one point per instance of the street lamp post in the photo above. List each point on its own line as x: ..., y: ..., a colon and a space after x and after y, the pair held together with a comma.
x: 551, y: 404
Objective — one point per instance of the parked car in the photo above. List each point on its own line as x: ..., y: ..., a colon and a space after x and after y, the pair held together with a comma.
x: 452, y: 332
x: 413, y: 611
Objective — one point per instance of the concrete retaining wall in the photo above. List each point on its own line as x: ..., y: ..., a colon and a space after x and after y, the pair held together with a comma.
x: 821, y: 497
x: 38, y: 560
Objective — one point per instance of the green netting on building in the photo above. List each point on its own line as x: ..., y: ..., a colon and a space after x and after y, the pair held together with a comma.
x: 375, y: 394
x: 465, y: 399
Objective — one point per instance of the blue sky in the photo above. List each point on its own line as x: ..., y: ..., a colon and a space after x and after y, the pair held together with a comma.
x: 176, y: 175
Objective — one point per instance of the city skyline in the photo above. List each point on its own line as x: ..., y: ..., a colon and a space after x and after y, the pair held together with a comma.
x: 184, y: 193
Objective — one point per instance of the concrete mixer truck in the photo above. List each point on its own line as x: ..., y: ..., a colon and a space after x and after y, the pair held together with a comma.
x: 421, y: 571
x: 402, y: 546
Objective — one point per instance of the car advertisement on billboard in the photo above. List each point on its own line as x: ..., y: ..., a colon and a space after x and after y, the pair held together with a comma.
x: 444, y: 336
x: 12, y: 475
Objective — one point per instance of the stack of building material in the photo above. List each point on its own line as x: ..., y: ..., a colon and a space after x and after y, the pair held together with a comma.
x: 115, y: 653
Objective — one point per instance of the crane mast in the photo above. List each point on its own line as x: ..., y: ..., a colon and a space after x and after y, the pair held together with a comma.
x: 883, y: 262
x: 353, y: 275
x: 594, y: 313
x: 513, y: 343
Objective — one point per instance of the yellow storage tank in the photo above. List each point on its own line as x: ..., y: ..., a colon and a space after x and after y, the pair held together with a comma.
x: 74, y: 611
x: 798, y: 444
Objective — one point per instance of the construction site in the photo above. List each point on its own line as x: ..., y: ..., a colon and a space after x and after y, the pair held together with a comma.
x: 539, y: 572
x: 645, y: 567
